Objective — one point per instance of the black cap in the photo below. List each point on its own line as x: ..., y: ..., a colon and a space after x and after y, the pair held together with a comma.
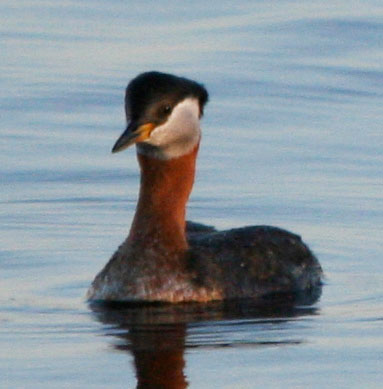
x: 162, y: 90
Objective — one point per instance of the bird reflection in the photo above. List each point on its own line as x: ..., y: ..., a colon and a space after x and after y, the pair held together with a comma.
x: 158, y: 354
x: 157, y: 335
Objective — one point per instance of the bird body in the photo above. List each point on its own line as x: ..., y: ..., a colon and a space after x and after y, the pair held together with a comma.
x: 166, y: 259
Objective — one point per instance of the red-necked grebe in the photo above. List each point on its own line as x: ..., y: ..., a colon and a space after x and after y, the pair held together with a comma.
x: 166, y: 259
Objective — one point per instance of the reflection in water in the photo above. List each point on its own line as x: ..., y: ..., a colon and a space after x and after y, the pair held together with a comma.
x: 158, y: 356
x: 157, y: 335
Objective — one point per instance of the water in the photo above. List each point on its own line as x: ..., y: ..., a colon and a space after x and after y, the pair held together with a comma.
x: 292, y: 137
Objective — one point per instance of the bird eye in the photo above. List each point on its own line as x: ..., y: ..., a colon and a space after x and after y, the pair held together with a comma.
x: 167, y: 109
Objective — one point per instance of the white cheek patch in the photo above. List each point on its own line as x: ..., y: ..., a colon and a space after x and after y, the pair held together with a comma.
x: 178, y: 135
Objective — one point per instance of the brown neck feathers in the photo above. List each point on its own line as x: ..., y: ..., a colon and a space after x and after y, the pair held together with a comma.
x: 164, y: 192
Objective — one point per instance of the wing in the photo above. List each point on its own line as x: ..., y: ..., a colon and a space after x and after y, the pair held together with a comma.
x: 253, y: 261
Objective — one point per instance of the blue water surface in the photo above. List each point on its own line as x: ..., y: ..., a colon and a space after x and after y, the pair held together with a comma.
x: 292, y: 137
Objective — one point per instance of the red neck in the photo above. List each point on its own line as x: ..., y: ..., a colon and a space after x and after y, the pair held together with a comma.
x: 164, y: 192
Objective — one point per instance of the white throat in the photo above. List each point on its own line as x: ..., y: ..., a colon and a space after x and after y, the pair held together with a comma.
x: 178, y: 135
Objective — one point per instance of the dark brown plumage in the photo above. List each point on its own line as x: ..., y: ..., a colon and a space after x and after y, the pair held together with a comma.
x: 165, y: 259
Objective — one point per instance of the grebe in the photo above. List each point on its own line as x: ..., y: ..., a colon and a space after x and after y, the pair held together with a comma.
x: 164, y: 258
